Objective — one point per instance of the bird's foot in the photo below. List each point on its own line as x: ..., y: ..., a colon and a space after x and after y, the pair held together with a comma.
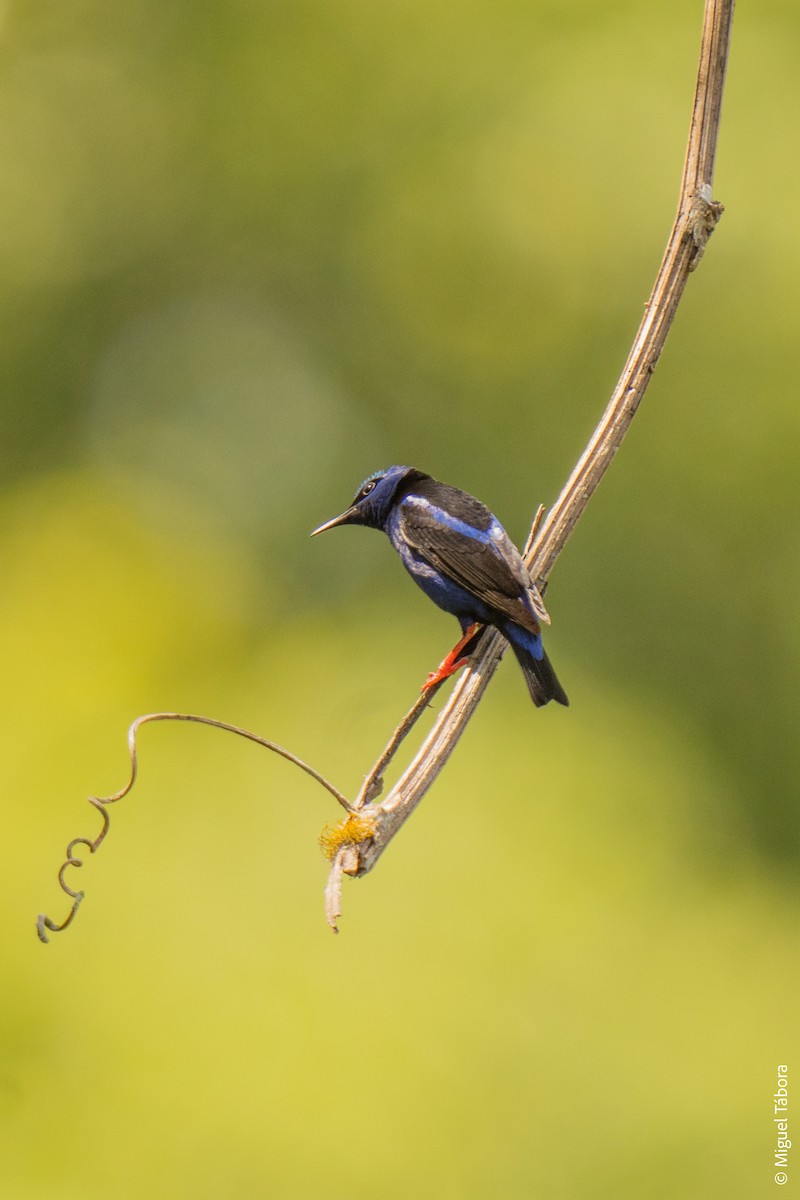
x: 442, y: 672
x: 456, y: 659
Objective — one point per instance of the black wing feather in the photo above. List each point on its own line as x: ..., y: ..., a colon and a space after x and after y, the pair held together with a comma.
x: 492, y: 570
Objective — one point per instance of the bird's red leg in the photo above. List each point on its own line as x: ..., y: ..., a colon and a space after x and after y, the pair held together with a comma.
x: 454, y: 661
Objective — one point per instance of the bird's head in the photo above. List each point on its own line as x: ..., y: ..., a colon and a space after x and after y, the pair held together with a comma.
x: 374, y: 499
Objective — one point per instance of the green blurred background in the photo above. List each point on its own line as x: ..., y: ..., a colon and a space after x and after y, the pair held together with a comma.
x: 252, y: 252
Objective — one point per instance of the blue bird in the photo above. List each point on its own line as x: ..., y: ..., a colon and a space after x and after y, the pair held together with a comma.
x: 462, y: 558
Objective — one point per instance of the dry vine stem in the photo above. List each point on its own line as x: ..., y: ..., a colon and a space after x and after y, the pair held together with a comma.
x: 355, y: 845
x: 696, y: 218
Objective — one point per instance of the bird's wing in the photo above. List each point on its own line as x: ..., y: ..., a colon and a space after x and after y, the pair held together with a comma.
x: 483, y: 562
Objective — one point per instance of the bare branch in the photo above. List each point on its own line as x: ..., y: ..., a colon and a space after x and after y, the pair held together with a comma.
x: 373, y: 784
x: 696, y: 218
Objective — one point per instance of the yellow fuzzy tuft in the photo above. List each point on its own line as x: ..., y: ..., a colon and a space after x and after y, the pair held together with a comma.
x: 355, y: 828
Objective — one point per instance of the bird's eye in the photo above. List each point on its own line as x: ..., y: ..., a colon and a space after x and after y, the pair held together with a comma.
x: 367, y: 488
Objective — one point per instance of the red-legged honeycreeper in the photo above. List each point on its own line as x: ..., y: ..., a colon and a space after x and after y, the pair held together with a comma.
x: 463, y: 559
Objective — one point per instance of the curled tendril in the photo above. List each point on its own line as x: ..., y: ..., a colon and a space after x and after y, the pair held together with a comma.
x: 101, y: 803
x: 339, y: 843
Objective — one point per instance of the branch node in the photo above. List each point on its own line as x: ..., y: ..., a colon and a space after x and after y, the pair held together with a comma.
x: 704, y: 215
x: 351, y: 831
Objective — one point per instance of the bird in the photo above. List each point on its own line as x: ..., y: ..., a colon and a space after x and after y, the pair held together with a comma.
x: 457, y: 551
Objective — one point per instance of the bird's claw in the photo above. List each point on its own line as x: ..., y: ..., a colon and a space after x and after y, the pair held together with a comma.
x: 442, y: 672
x: 454, y: 661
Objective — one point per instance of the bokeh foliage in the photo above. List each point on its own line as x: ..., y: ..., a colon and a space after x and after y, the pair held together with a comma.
x: 251, y: 252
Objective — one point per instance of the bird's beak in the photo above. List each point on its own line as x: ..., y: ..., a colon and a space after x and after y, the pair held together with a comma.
x: 343, y: 519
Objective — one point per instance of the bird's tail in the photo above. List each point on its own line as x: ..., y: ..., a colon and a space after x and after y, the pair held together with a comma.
x: 539, y: 675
